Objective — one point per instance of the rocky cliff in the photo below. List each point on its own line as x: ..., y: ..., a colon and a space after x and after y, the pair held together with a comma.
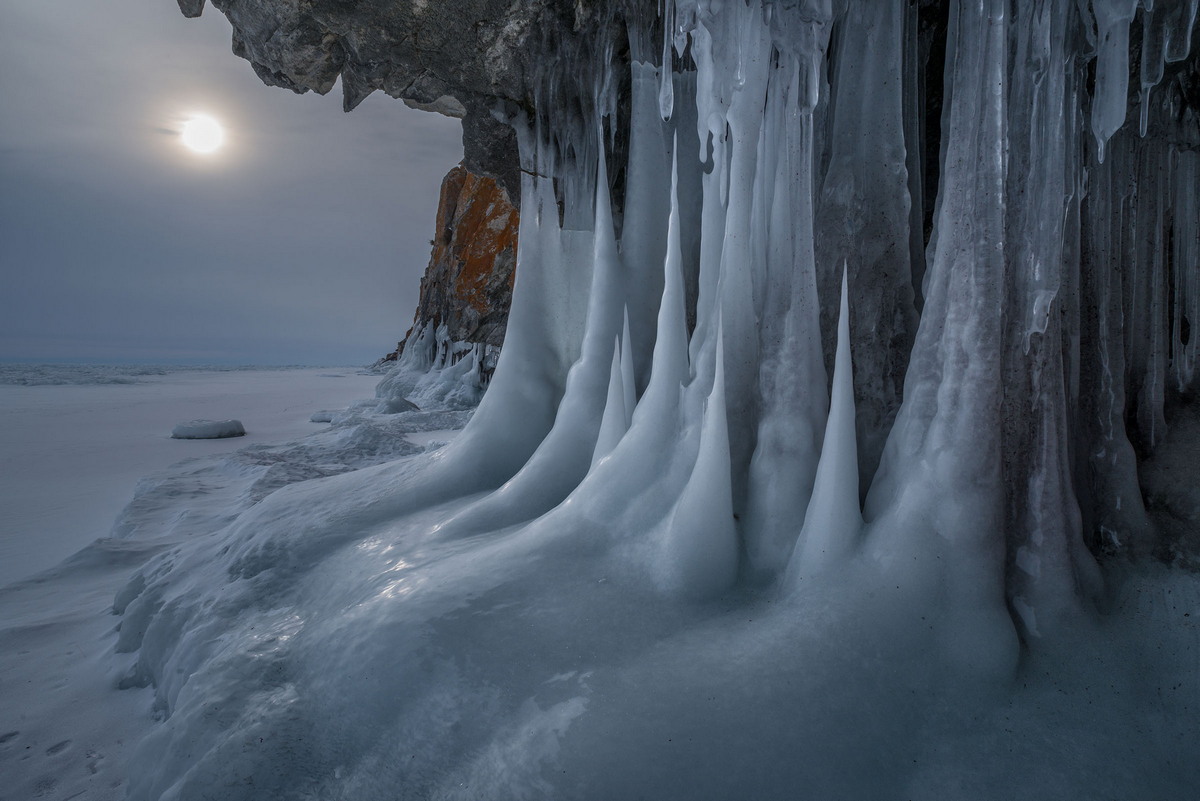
x: 467, y: 286
x: 477, y: 60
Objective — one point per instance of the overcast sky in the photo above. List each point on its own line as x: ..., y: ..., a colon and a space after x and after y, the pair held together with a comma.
x: 301, y: 241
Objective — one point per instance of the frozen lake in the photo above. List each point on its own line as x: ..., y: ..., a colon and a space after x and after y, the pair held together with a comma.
x: 72, y: 453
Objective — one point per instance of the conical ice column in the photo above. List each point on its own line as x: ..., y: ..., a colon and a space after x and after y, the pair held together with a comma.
x: 564, y: 457
x: 793, y: 383
x: 615, y: 423
x: 833, y: 521
x: 702, y: 542
x: 653, y: 439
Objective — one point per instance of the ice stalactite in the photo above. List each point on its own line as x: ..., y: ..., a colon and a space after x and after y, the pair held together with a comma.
x: 800, y: 163
x: 792, y: 373
x: 1113, y: 504
x: 628, y: 382
x: 1113, y: 18
x: 938, y: 498
x: 1049, y: 569
x: 1166, y: 38
x: 742, y: 66
x: 1185, y: 340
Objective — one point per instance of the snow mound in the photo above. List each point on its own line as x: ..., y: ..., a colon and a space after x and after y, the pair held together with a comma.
x: 208, y: 429
x: 323, y: 416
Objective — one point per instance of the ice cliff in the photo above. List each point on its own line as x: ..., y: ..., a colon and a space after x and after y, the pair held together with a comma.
x: 810, y: 464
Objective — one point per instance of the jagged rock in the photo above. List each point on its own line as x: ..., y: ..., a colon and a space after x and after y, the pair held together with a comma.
x: 470, y: 59
x: 467, y: 286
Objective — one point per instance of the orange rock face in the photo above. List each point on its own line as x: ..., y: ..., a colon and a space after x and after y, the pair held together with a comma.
x: 468, y: 283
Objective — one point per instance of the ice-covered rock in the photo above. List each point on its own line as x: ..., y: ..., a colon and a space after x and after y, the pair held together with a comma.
x: 208, y: 429
x: 561, y: 603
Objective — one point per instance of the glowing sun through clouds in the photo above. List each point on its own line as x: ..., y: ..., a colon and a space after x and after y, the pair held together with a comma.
x: 203, y: 134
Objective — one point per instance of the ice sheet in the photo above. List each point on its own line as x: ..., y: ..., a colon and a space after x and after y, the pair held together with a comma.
x: 71, y: 454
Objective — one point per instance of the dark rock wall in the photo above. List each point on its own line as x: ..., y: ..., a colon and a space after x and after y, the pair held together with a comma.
x: 468, y: 284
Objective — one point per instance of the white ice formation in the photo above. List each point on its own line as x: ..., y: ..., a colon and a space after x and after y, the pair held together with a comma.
x: 664, y: 559
x: 435, y: 371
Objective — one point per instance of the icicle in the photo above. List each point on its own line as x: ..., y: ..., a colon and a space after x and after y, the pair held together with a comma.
x: 1155, y: 38
x: 834, y: 519
x: 671, y: 343
x: 1112, y: 67
x: 510, y: 422
x: 644, y: 230
x: 1038, y: 180
x: 702, y: 544
x: 564, y: 457
x: 739, y: 270
x: 666, y: 90
x: 1185, y: 333
x: 939, y: 490
x: 659, y: 446
x: 1051, y: 571
x: 793, y: 380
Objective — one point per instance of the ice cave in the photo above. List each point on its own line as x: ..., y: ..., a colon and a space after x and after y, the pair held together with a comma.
x: 844, y: 442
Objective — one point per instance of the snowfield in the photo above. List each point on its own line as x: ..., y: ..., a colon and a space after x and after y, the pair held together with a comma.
x: 75, y: 440
x: 68, y: 714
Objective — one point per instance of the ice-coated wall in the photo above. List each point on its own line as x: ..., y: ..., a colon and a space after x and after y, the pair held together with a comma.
x: 1013, y: 217
x: 1015, y: 357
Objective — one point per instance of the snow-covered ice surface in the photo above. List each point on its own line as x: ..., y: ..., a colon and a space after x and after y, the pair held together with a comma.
x: 347, y: 653
x: 74, y: 440
x: 297, y: 633
x: 68, y: 712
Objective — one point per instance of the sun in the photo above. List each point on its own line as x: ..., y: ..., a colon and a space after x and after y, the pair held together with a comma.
x: 203, y: 134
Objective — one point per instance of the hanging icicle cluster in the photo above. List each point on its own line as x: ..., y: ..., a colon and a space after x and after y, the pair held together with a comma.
x: 995, y: 366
